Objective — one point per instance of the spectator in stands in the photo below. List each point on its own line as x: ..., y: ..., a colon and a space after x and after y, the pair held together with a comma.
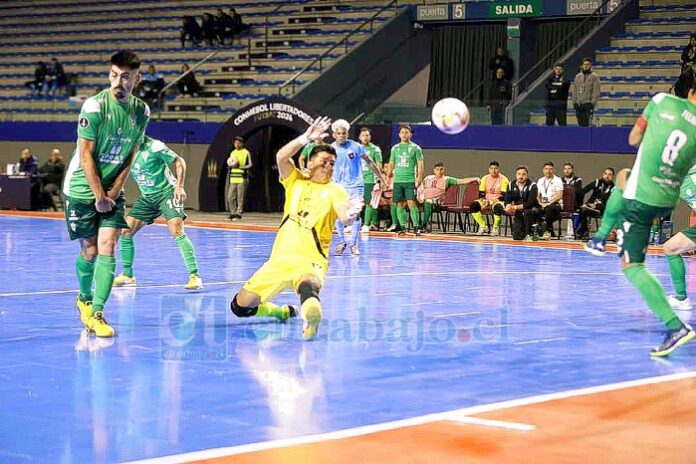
x: 498, y: 97
x: 550, y: 197
x: 55, y: 77
x: 586, y: 91
x: 209, y: 28
x: 492, y: 191
x: 688, y: 56
x: 557, y: 86
x: 37, y: 85
x: 237, y: 25
x: 522, y: 201
x: 594, y: 206
x: 223, y: 22
x: 502, y: 60
x: 188, y: 85
x: 239, y: 163
x: 28, y: 164
x: 683, y: 84
x: 191, y: 30
x: 52, y: 177
x: 151, y: 85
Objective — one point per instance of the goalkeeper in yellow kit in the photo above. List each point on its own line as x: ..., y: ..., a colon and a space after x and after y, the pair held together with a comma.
x: 299, y: 256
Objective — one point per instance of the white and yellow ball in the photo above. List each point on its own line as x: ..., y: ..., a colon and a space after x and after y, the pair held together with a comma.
x: 450, y: 115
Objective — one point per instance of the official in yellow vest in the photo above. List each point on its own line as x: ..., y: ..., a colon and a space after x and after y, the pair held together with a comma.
x: 239, y: 163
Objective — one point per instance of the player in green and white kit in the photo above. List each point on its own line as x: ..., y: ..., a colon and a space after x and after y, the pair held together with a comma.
x: 161, y: 194
x: 369, y: 177
x: 111, y: 127
x: 682, y: 242
x: 666, y: 135
x: 304, y: 154
x: 406, y: 162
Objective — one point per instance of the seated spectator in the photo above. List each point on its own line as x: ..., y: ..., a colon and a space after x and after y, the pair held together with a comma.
x: 237, y: 25
x: 502, y: 60
x: 37, y: 85
x: 55, y: 77
x: 550, y: 198
x: 498, y: 96
x: 52, y: 176
x: 224, y: 24
x: 492, y: 191
x: 688, y: 56
x: 188, y: 85
x: 151, y: 85
x: 209, y: 28
x: 433, y: 190
x: 28, y: 164
x: 522, y: 200
x: 594, y: 206
x: 191, y: 30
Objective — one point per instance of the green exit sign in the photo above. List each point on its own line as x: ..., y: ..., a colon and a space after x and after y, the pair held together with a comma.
x: 514, y: 9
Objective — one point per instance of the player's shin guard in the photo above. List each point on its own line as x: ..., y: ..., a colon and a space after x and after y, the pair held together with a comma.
x: 242, y: 311
x: 611, y: 213
x: 127, y: 245
x: 653, y: 294
x: 677, y: 270
x: 415, y: 216
x: 497, y: 214
x: 427, y: 212
x: 341, y: 230
x: 401, y: 217
x: 188, y: 253
x: 85, y: 276
x: 103, y: 280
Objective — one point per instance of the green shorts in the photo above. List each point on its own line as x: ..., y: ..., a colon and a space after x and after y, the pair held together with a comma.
x: 367, y: 194
x: 633, y: 234
x: 84, y: 221
x: 404, y: 191
x: 149, y: 208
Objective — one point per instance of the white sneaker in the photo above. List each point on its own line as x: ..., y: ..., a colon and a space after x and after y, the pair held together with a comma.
x: 365, y: 229
x: 680, y: 305
x: 392, y: 228
x: 482, y: 231
x: 495, y: 232
x: 124, y: 281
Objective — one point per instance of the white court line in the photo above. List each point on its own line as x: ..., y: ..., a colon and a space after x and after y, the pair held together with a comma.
x: 470, y: 313
x: 493, y: 423
x: 541, y: 340
x: 331, y: 277
x: 414, y: 421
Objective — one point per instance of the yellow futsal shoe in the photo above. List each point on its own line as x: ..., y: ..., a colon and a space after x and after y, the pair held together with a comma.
x: 85, y: 308
x: 98, y: 325
x: 194, y: 283
x: 124, y: 281
x: 311, y: 314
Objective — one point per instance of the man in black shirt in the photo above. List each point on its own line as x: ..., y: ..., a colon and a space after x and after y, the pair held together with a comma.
x: 557, y: 86
x: 521, y: 200
x: 498, y: 96
x: 52, y: 178
x: 594, y: 206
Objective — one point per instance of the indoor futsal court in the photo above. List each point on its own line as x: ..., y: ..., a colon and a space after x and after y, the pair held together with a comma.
x: 440, y: 349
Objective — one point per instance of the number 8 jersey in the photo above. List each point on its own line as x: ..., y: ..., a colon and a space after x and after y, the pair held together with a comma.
x: 116, y: 128
x: 666, y: 153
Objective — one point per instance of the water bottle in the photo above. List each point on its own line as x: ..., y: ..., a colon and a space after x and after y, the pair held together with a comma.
x: 535, y: 232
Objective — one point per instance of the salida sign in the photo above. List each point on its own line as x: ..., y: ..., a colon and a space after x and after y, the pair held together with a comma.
x: 514, y: 9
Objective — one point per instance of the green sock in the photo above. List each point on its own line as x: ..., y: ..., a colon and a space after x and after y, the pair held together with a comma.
x: 478, y: 217
x: 496, y: 220
x: 370, y: 215
x: 678, y: 271
x: 611, y: 213
x: 268, y: 309
x: 653, y: 294
x: 103, y: 280
x: 85, y: 276
x: 402, y: 217
x: 394, y: 215
x: 415, y: 216
x: 188, y: 253
x: 427, y: 212
x: 127, y: 255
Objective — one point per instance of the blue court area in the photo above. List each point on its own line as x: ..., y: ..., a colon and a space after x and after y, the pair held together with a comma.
x: 411, y: 327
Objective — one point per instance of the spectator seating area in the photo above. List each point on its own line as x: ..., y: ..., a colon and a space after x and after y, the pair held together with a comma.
x: 639, y: 63
x: 86, y: 33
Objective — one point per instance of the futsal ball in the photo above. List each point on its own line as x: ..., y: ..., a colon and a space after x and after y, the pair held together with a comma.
x: 450, y: 115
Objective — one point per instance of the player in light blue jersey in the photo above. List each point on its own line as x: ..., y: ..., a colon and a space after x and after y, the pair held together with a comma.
x: 348, y: 173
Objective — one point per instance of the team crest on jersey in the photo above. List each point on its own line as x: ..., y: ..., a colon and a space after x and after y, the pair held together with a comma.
x: 84, y: 122
x: 351, y: 155
x: 132, y: 120
x: 119, y: 131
